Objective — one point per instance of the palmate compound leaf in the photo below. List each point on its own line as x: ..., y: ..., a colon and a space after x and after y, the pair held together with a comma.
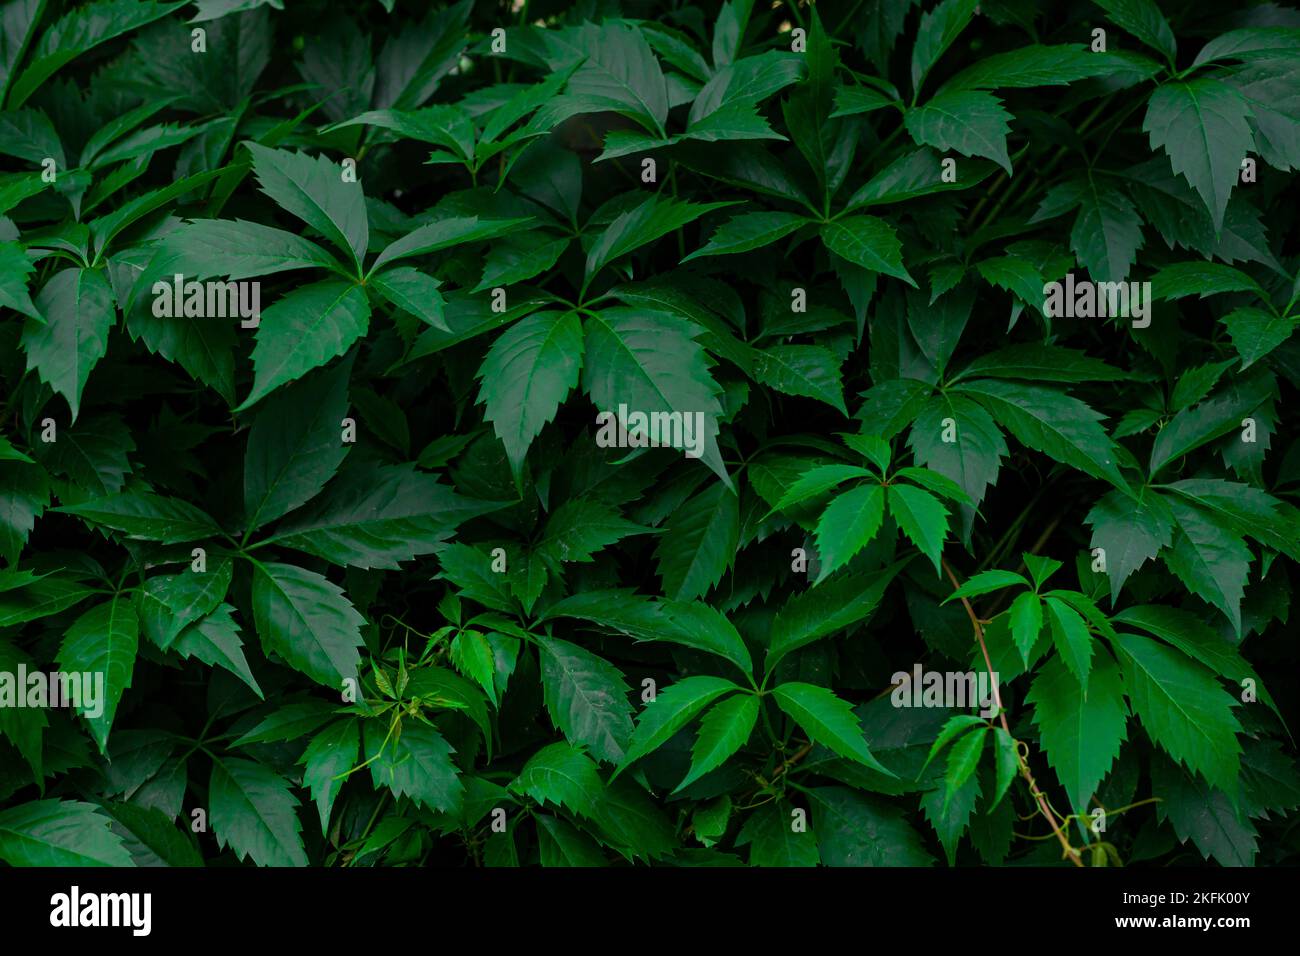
x: 587, y: 698
x: 827, y: 720
x: 1081, y: 733
x: 373, y: 516
x: 527, y: 374
x: 1183, y: 708
x: 646, y: 363
x: 307, y: 621
x: 253, y: 812
x: 59, y: 833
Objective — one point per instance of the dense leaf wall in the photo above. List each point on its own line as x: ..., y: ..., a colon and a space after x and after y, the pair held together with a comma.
x: 333, y: 338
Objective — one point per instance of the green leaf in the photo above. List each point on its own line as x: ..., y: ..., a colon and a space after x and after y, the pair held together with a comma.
x: 1081, y: 732
x: 50, y: 833
x: 1143, y: 19
x: 671, y: 710
x: 373, y: 516
x: 101, y: 645
x: 922, y: 517
x: 444, y: 234
x: 749, y: 231
x: 307, y: 621
x: 1182, y: 279
x: 1208, y: 558
x: 774, y: 842
x: 816, y: 481
x: 917, y: 173
x: 78, y: 309
x: 214, y: 640
x: 1073, y: 642
x: 963, y: 761
x: 1202, y: 125
x: 1131, y: 531
x: 414, y: 292
x: 1107, y: 232
x: 1051, y: 422
x: 937, y: 31
x: 1027, y: 66
x: 700, y: 543
x: 295, y: 445
x: 987, y: 581
x: 313, y: 189
x: 78, y: 31
x: 168, y: 604
x: 826, y: 608
x: 587, y: 698
x: 1183, y: 709
x: 304, y: 330
x: 527, y: 374
x: 415, y: 763
x: 1204, y: 815
x: 855, y: 829
x: 563, y: 776
x: 1007, y: 766
x: 827, y: 720
x: 867, y: 242
x: 238, y: 249
x: 971, y: 122
x: 151, y: 837
x: 652, y: 218
x: 723, y: 731
x: 253, y: 811
x: 650, y: 362
x: 1026, y: 614
x: 1193, y: 427
x: 152, y: 517
x: 849, y: 522
x: 807, y: 370
x: 1255, y: 332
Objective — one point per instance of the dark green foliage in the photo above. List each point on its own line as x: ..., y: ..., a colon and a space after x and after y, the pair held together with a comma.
x: 388, y: 565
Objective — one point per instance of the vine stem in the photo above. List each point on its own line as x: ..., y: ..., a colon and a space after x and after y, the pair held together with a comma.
x: 1067, y: 850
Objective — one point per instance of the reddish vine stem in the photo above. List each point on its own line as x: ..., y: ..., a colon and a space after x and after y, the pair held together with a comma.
x: 1067, y: 850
